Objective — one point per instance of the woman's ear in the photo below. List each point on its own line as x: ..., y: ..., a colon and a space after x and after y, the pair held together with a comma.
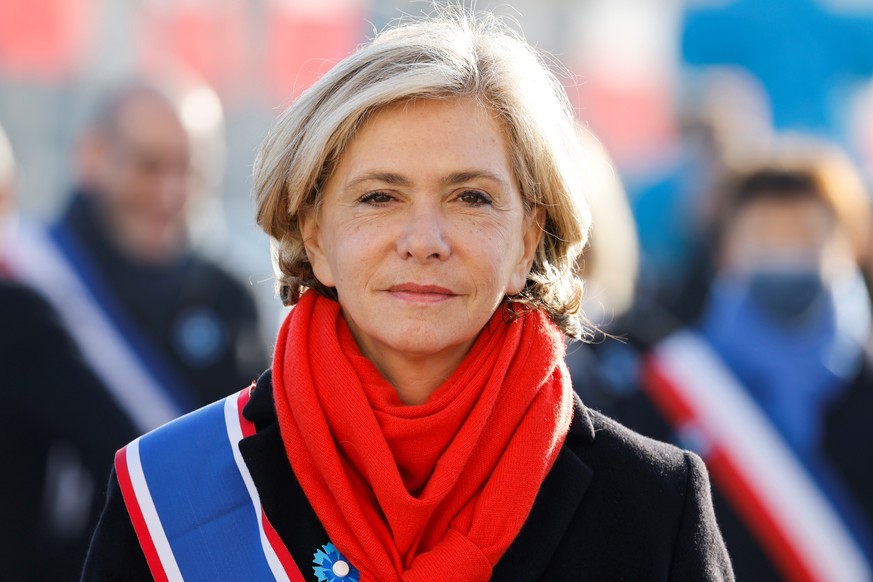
x: 312, y: 244
x: 532, y: 235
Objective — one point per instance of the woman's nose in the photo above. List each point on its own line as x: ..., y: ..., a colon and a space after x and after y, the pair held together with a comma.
x: 424, y: 237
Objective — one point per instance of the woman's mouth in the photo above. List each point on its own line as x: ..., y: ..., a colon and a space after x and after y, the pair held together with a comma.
x: 421, y: 293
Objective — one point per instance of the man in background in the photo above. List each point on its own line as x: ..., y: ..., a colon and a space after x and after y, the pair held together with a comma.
x: 166, y: 329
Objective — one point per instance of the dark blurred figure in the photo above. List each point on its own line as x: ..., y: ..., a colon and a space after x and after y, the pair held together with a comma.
x: 59, y: 428
x: 773, y: 385
x: 165, y: 328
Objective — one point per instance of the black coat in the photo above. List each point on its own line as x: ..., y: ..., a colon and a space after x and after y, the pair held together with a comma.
x: 615, y: 506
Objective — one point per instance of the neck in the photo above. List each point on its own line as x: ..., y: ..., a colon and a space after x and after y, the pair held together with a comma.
x: 415, y: 378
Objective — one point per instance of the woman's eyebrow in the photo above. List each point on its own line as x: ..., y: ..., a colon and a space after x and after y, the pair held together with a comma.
x: 473, y: 174
x: 455, y: 178
x: 384, y: 177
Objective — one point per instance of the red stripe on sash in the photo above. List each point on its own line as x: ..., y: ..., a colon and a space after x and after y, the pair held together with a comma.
x: 247, y: 428
x: 136, y: 517
x: 282, y: 552
x: 246, y: 425
x: 727, y: 472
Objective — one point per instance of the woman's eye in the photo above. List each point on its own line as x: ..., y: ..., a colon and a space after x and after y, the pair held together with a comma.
x: 376, y: 198
x: 474, y: 198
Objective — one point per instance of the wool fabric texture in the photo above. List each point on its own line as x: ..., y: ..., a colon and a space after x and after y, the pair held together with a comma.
x: 436, y: 491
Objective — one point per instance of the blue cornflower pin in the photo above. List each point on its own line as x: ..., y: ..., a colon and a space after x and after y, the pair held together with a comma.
x: 331, y: 566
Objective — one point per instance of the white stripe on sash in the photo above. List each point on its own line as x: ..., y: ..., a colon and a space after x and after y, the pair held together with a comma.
x: 150, y: 514
x: 731, y: 421
x: 234, y: 433
x: 37, y: 261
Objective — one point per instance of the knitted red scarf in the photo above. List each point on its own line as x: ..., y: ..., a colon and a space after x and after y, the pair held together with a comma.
x: 430, y: 492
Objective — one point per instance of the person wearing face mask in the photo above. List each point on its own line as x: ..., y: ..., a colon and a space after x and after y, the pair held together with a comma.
x: 774, y: 386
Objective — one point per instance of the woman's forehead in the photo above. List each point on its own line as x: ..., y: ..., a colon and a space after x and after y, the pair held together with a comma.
x: 445, y: 139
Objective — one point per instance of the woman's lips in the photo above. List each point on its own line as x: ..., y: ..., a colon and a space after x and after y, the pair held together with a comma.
x: 421, y: 293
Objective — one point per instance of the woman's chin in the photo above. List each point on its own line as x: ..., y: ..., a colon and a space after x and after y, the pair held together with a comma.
x: 418, y: 341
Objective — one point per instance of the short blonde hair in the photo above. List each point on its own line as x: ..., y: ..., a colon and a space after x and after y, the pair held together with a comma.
x: 452, y: 54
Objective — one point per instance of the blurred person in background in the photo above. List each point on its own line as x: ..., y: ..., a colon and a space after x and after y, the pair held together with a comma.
x: 58, y: 429
x: 773, y: 385
x: 609, y: 266
x: 167, y: 329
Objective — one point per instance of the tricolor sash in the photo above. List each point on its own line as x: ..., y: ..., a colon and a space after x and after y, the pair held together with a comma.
x: 193, y: 504
x: 755, y: 469
x: 142, y: 385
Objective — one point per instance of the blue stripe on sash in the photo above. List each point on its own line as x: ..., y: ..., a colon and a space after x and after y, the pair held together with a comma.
x: 156, y: 364
x: 201, y: 499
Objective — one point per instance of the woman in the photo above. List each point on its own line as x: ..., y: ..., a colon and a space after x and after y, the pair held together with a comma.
x: 418, y: 422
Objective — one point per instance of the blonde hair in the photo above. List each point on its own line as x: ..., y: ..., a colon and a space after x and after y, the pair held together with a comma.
x: 452, y: 54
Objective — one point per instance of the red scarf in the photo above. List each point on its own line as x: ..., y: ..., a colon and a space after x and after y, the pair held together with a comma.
x: 430, y: 492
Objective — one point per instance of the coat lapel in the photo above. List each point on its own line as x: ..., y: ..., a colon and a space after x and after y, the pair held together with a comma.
x: 556, y: 504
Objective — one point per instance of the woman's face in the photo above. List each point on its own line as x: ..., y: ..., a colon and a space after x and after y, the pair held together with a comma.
x: 422, y: 230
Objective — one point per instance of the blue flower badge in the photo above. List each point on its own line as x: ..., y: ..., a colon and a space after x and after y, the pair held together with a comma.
x: 331, y: 566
